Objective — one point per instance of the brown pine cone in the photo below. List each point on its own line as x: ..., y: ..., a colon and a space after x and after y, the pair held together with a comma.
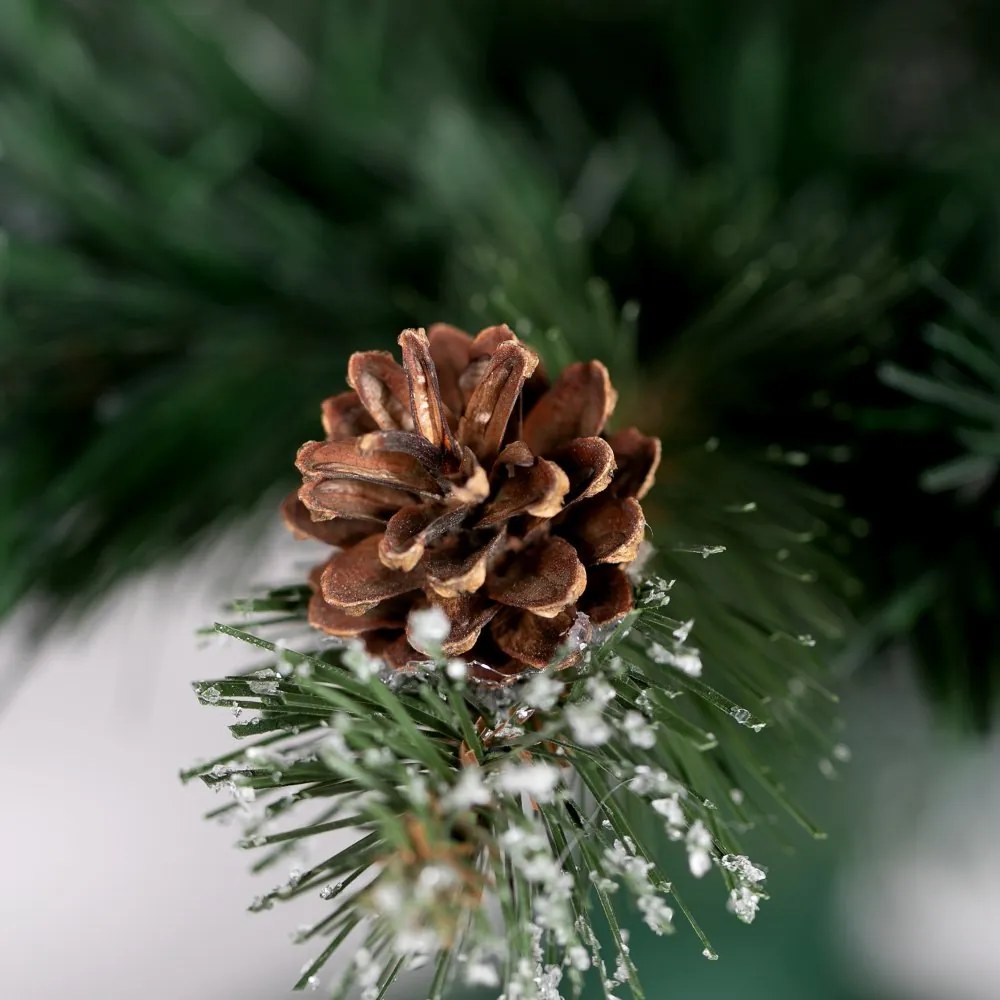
x: 463, y: 480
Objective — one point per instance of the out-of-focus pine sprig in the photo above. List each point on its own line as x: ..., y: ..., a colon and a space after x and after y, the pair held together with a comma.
x: 506, y: 835
x: 555, y: 800
x: 962, y: 389
x: 938, y: 586
x: 201, y: 199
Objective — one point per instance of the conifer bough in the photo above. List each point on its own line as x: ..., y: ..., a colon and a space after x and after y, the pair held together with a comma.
x: 480, y: 701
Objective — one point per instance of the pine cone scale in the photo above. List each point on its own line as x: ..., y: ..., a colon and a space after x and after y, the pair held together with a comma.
x: 386, y: 616
x: 449, y: 350
x: 355, y: 579
x: 589, y: 464
x: 537, y: 489
x: 352, y: 498
x: 430, y: 417
x: 412, y: 528
x: 345, y: 416
x: 488, y: 411
x: 608, y: 596
x: 358, y: 460
x: 341, y: 531
x: 382, y: 387
x: 606, y: 529
x: 638, y: 459
x: 469, y: 614
x: 452, y: 571
x: 578, y: 405
x: 545, y: 580
x: 528, y: 638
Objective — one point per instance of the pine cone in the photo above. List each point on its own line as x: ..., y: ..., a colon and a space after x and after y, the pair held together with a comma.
x: 463, y: 480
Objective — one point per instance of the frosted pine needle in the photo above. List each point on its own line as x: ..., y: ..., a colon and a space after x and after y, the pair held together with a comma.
x: 507, y: 727
x: 492, y: 831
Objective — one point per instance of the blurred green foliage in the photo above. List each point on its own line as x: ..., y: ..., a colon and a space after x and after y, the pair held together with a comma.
x: 207, y: 205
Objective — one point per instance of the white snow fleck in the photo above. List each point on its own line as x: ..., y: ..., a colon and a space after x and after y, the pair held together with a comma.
x: 542, y: 692
x: 357, y: 659
x: 537, y: 780
x: 428, y: 628
x: 376, y: 758
x: 432, y: 879
x: 469, y: 791
x: 481, y: 973
x: 552, y: 908
x: 682, y: 632
x: 243, y: 793
x: 699, y: 844
x: 701, y: 550
x: 210, y: 694
x: 742, y: 866
x: 600, y: 691
x: 416, y: 943
x: 264, y: 681
x: 456, y: 669
x: 388, y: 897
x: 639, y: 730
x: 671, y: 810
x: 587, y: 724
x: 586, y: 718
x: 743, y: 901
x: 684, y: 658
x: 653, y: 781
x: 333, y: 749
x: 330, y: 890
x: 529, y: 851
x: 416, y: 788
x: 655, y: 912
x: 368, y: 973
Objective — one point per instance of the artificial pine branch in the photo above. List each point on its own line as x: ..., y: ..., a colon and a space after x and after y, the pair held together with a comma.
x: 188, y: 226
x: 943, y: 597
x: 549, y: 799
x: 507, y: 728
x: 963, y: 388
x: 199, y: 200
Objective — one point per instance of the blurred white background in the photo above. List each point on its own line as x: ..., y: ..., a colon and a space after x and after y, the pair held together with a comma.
x: 919, y: 899
x: 113, y: 886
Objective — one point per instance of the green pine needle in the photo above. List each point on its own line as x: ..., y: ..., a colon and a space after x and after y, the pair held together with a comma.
x: 189, y: 228
x: 564, y: 807
x: 963, y: 388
